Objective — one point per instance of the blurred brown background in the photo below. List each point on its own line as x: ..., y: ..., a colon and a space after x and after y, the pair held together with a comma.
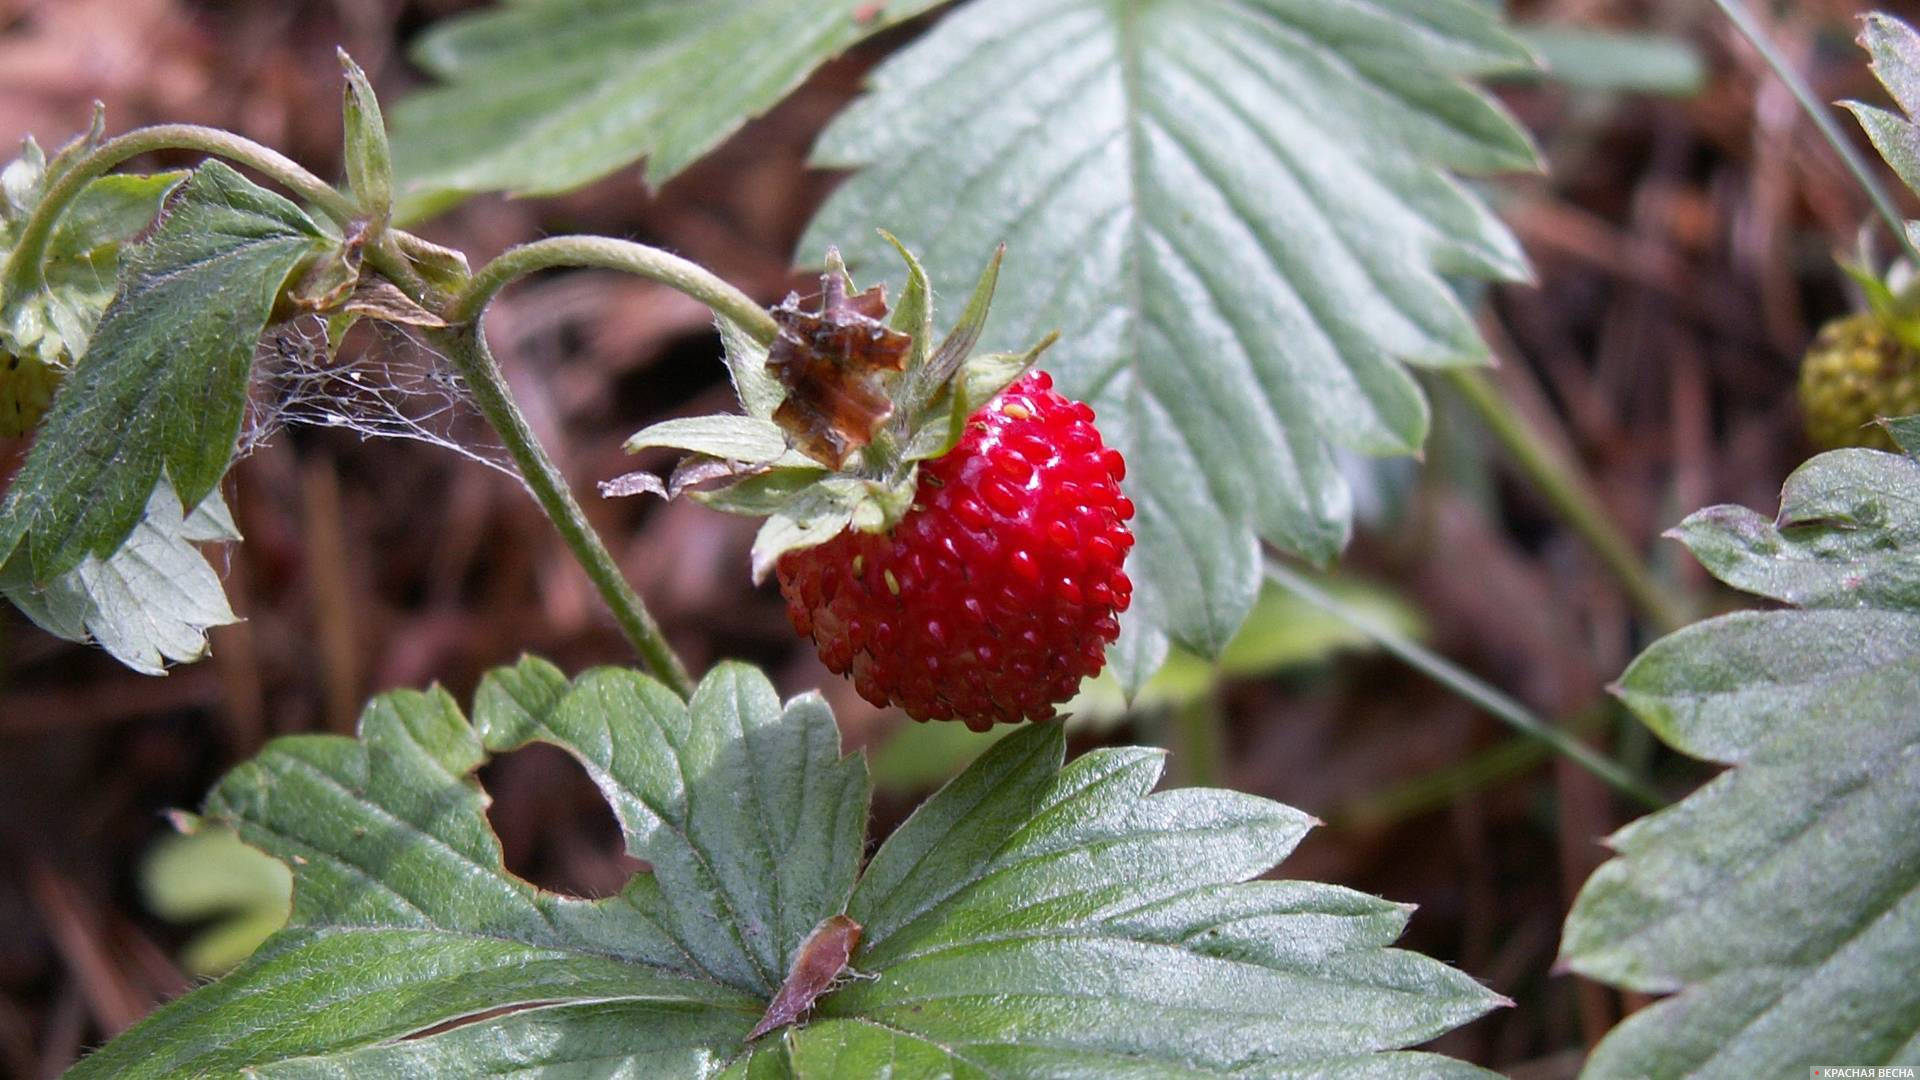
x: 1684, y: 250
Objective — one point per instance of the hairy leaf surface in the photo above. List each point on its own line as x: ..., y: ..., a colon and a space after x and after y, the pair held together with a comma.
x: 1029, y: 920
x: 161, y: 394
x: 1779, y: 904
x: 1236, y: 212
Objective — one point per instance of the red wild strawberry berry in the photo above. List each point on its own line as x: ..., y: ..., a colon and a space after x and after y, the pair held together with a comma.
x: 999, y: 590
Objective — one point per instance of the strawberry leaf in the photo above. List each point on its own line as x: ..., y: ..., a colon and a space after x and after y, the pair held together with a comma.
x: 542, y: 96
x: 1779, y: 904
x: 1237, y: 213
x: 1028, y: 920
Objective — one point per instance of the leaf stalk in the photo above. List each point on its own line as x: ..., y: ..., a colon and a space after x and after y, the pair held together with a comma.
x: 1465, y: 684
x: 1822, y: 116
x: 24, y: 267
x: 1572, y: 498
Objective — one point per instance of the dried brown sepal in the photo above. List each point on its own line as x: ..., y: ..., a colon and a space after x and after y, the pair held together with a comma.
x: 830, y: 363
x: 821, y: 959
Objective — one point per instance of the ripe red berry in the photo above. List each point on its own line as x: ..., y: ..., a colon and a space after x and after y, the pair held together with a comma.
x: 999, y: 590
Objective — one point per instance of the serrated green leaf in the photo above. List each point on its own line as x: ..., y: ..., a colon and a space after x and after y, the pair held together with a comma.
x: 543, y: 96
x: 1778, y: 904
x: 148, y: 604
x: 164, y: 385
x: 1906, y: 433
x: 1027, y: 921
x: 1895, y: 49
x: 1843, y: 537
x: 1236, y: 212
x: 748, y: 439
x: 1037, y: 921
x: 404, y: 918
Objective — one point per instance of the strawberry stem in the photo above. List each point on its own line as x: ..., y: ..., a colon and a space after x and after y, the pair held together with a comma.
x: 609, y: 254
x: 466, y: 347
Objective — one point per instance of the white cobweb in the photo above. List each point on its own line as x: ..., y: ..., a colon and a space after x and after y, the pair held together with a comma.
x: 396, y: 387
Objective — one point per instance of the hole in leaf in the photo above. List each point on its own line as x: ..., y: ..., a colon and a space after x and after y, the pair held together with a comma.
x: 555, y: 827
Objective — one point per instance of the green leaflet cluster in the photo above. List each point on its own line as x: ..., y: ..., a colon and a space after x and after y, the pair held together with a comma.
x: 1780, y: 904
x: 1029, y: 920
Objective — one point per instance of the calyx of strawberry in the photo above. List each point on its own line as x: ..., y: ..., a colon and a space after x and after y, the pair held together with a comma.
x: 838, y: 412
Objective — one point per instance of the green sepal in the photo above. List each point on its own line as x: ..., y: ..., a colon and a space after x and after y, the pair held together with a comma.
x: 980, y: 380
x: 369, y: 160
x: 747, y: 439
x: 1906, y: 433
x: 763, y: 493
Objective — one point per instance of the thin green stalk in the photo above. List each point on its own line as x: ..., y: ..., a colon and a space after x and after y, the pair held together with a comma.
x: 1199, y: 742
x: 1379, y: 809
x: 1465, y: 684
x: 24, y: 267
x: 596, y: 251
x: 1571, y: 498
x: 1822, y: 117
x: 466, y: 347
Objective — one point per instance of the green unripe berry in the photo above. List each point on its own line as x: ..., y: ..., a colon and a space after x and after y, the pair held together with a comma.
x: 1857, y: 371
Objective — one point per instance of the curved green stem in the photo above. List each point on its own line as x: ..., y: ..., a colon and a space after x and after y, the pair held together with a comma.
x: 595, y: 251
x: 1571, y: 498
x: 1822, y: 117
x: 1462, y: 682
x: 467, y: 348
x: 24, y: 266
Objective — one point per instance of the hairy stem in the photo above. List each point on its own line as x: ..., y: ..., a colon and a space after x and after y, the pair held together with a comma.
x: 1822, y: 117
x: 23, y: 270
x: 1572, y: 498
x: 467, y: 348
x: 595, y: 251
x: 1463, y: 683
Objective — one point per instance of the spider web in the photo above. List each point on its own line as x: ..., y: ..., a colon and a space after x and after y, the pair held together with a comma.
x: 396, y: 387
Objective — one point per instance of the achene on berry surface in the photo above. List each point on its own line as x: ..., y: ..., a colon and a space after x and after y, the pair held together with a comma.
x: 999, y: 590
